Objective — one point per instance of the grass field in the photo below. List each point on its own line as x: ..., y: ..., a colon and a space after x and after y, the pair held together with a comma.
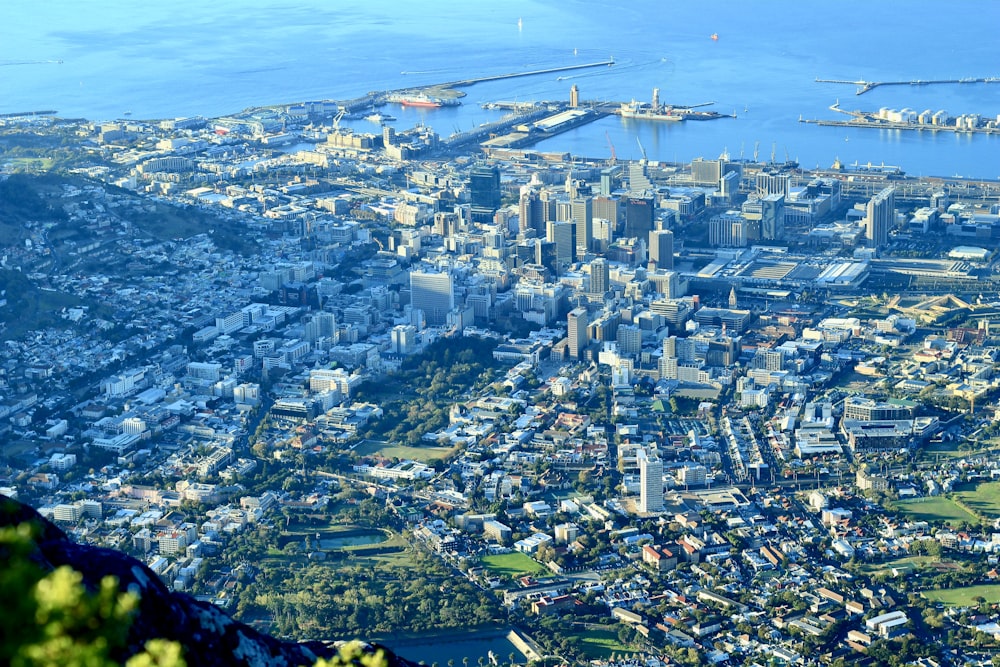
x: 600, y: 644
x: 402, y: 452
x: 984, y: 498
x: 945, y: 450
x: 964, y: 597
x: 32, y: 163
x: 910, y: 564
x: 513, y: 564
x: 935, y: 509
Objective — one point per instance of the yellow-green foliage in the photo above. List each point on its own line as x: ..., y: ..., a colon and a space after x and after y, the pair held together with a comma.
x: 352, y: 655
x: 50, y: 619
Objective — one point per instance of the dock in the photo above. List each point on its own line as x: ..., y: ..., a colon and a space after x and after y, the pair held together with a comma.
x: 864, y: 123
x: 865, y: 86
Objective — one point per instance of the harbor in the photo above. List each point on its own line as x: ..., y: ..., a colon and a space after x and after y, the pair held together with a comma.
x: 909, y: 119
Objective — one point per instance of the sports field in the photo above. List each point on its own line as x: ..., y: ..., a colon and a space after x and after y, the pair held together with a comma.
x: 964, y: 597
x: 984, y: 499
x: 513, y: 564
x: 937, y: 509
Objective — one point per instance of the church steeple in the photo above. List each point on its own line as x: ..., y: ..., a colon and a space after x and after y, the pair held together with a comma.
x: 732, y: 297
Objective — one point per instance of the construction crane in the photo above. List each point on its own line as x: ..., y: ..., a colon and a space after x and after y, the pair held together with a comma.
x: 614, y: 158
x: 642, y: 150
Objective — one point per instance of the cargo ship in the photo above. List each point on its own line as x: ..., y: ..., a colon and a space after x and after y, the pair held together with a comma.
x: 634, y: 109
x: 665, y: 113
x: 422, y: 100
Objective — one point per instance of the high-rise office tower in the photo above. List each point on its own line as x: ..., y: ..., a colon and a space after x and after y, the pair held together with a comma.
x: 607, y: 181
x: 650, y: 482
x: 706, y: 172
x: 629, y: 339
x: 484, y: 192
x: 880, y: 216
x: 638, y: 177
x: 639, y: 215
x: 582, y: 212
x: 600, y: 276
x: 604, y: 234
x: 531, y: 213
x: 548, y: 199
x: 434, y: 294
x: 576, y: 331
x: 526, y: 252
x: 608, y: 208
x: 772, y: 217
x: 563, y: 234
x: 661, y: 249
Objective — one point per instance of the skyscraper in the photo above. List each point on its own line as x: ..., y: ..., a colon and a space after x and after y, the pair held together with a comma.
x: 434, y: 294
x: 576, y: 331
x: 772, y: 217
x: 608, y: 208
x: 650, y: 482
x: 638, y: 217
x: 582, y: 212
x: 563, y: 234
x: 661, y: 249
x: 532, y: 213
x: 607, y: 181
x: 600, y: 276
x: 484, y: 192
x: 880, y: 217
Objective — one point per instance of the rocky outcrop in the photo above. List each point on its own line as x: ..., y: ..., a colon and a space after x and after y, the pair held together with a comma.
x: 210, y: 638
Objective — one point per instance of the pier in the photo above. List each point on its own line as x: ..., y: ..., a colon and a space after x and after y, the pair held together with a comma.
x: 462, y: 83
x: 865, y: 86
x: 865, y: 123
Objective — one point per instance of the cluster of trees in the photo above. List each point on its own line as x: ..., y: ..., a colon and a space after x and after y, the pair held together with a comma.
x: 443, y: 374
x: 320, y: 600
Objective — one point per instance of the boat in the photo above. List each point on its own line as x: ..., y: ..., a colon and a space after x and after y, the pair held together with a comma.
x: 422, y: 100
x: 379, y: 118
x: 641, y: 111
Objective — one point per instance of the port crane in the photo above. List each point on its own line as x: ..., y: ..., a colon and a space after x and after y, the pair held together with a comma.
x: 338, y: 118
x: 614, y: 158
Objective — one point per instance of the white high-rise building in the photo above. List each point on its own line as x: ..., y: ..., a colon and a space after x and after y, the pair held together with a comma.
x: 577, y: 323
x: 880, y: 217
x: 404, y: 339
x: 650, y: 482
x: 434, y: 294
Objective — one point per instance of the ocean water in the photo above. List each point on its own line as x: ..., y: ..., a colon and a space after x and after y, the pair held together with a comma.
x: 100, y: 59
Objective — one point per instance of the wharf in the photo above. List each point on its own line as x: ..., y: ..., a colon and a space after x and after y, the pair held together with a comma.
x: 525, y: 134
x: 865, y: 86
x: 19, y: 114
x: 890, y: 125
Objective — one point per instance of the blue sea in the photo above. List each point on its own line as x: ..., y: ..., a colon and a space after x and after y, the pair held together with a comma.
x: 100, y: 59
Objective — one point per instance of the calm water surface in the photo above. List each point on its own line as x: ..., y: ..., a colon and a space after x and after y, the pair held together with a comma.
x: 193, y: 58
